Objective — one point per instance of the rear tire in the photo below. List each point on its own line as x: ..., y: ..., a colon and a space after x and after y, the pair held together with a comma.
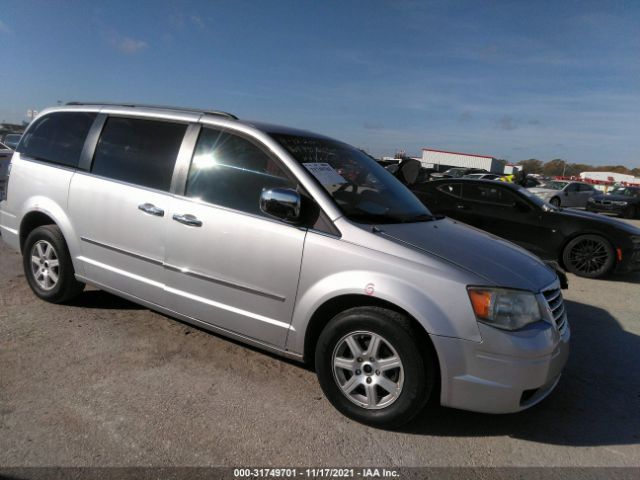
x: 589, y: 256
x: 48, y: 266
x: 372, y: 369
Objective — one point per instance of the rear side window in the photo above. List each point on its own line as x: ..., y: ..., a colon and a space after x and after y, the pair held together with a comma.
x: 489, y: 194
x: 453, y: 189
x: 142, y: 152
x: 57, y: 138
x: 231, y: 171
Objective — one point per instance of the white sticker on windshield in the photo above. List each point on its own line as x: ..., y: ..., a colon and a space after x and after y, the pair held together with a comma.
x: 325, y: 173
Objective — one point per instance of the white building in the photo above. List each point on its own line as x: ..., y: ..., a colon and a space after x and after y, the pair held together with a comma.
x: 441, y: 160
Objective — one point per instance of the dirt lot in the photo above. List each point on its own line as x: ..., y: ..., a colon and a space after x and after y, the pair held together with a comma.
x: 105, y: 382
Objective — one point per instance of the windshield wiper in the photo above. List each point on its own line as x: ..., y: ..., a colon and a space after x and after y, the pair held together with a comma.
x: 382, y: 218
x: 423, y: 217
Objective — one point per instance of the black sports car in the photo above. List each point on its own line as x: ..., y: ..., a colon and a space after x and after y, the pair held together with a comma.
x: 624, y: 201
x: 584, y: 243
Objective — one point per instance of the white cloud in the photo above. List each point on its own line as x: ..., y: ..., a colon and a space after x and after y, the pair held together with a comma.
x: 126, y: 45
x: 4, y: 28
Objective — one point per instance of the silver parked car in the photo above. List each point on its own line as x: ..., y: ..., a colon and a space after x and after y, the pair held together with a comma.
x: 561, y: 193
x: 289, y: 241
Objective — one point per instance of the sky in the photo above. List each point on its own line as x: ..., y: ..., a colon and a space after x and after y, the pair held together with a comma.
x: 510, y: 79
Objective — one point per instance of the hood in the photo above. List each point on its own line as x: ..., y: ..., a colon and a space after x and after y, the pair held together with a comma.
x: 541, y: 190
x: 614, y: 198
x: 500, y: 262
x: 600, y: 219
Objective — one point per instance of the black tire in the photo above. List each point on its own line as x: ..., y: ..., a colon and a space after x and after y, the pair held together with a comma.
x: 555, y: 201
x: 589, y: 256
x: 66, y: 286
x: 417, y: 374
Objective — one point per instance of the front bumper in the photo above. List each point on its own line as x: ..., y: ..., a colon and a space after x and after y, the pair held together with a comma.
x: 506, y: 372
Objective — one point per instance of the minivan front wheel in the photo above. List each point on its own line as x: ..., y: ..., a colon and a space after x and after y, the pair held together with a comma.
x: 371, y: 367
x: 48, y: 267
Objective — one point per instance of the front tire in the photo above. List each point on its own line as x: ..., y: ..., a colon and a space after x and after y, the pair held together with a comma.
x: 555, y: 201
x: 48, y: 266
x: 589, y: 256
x: 372, y: 369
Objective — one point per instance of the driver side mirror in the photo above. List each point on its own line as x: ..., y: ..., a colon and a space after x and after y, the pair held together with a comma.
x: 408, y: 171
x: 282, y: 203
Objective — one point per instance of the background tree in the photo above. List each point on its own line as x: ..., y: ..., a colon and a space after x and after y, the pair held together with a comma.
x: 554, y: 168
x: 532, y: 165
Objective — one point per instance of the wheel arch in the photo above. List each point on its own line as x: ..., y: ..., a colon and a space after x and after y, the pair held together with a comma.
x: 41, y: 211
x: 30, y: 222
x: 581, y: 233
x: 330, y: 308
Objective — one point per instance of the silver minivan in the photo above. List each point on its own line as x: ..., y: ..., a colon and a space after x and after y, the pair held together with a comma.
x: 290, y: 241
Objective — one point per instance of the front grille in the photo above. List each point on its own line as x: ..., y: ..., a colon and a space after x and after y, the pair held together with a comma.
x: 556, y: 304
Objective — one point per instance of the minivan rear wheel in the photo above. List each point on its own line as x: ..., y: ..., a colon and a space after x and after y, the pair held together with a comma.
x: 48, y: 266
x: 371, y: 367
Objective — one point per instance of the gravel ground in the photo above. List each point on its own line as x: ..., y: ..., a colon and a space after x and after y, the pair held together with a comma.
x: 104, y: 382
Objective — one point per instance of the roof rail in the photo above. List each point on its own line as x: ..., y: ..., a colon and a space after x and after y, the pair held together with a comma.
x: 141, y: 105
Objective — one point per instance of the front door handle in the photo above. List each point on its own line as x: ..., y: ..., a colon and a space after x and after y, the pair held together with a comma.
x: 461, y: 207
x: 188, y: 219
x: 151, y: 209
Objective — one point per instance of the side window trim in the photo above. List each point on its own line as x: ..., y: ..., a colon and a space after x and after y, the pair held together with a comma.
x: 183, y: 162
x: 91, y: 142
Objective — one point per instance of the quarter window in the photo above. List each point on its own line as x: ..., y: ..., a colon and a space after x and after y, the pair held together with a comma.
x: 489, y: 194
x: 230, y: 171
x: 142, y: 152
x: 57, y: 138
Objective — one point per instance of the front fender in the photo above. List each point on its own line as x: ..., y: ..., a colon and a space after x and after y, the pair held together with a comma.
x: 439, y: 302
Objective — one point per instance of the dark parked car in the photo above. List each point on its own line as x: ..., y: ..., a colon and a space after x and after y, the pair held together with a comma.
x: 624, y: 201
x: 584, y: 243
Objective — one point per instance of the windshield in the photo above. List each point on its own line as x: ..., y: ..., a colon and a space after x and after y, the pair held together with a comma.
x: 363, y: 190
x: 627, y: 192
x: 555, y: 185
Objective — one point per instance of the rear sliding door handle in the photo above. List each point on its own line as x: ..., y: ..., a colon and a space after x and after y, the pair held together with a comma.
x: 188, y: 219
x: 151, y: 209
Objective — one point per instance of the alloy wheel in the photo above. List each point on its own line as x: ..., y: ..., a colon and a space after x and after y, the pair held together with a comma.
x: 590, y: 256
x: 45, y: 265
x: 368, y: 370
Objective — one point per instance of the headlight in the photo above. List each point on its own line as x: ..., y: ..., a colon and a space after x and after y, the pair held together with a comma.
x: 505, y: 309
x: 591, y: 200
x: 622, y: 203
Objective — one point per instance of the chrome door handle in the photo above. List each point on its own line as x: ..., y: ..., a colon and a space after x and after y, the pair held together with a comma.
x: 188, y: 219
x: 151, y: 209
